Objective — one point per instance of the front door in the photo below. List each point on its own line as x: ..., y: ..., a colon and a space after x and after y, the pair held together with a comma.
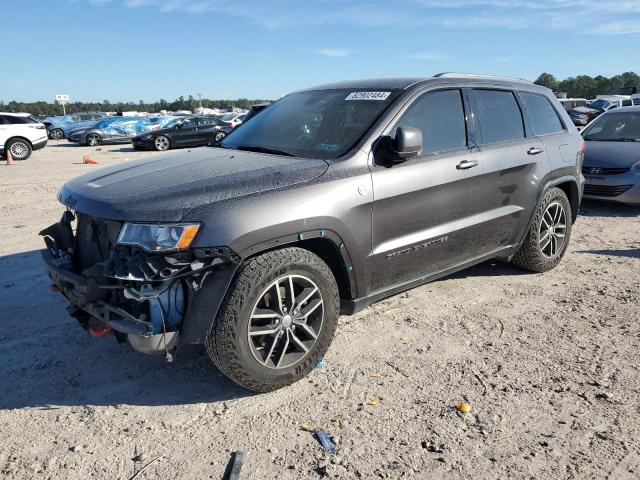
x: 425, y: 211
x: 205, y: 130
x: 187, y: 133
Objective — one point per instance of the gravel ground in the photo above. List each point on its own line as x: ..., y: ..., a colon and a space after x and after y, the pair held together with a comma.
x: 549, y: 364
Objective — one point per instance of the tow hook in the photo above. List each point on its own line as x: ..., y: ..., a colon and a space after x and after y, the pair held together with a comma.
x: 99, y: 329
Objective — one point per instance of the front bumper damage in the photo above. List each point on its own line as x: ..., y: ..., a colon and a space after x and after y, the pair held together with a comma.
x: 149, y: 299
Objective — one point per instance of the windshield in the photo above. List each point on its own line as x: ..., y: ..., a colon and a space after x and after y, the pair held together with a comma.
x: 615, y: 127
x: 315, y: 124
x: 174, y: 122
x: 599, y: 104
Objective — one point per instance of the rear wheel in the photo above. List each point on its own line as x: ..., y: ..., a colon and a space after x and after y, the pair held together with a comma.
x: 93, y: 140
x: 56, y: 134
x: 276, y: 321
x: 219, y: 136
x: 20, y: 148
x: 549, y: 234
x: 161, y: 143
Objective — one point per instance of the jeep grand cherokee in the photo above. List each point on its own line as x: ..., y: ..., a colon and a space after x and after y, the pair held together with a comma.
x: 332, y: 198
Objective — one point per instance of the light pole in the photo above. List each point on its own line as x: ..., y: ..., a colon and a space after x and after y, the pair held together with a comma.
x: 200, y: 98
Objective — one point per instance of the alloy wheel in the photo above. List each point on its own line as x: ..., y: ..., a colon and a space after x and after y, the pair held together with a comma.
x: 19, y: 150
x: 56, y: 134
x: 162, y: 143
x: 93, y: 139
x: 285, y: 321
x: 553, y: 228
x: 219, y: 136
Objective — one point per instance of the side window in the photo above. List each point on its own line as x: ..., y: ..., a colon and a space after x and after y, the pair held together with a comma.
x: 544, y: 117
x: 14, y: 120
x: 205, y: 122
x: 627, y: 103
x: 189, y: 123
x: 440, y: 117
x: 86, y: 117
x: 3, y: 120
x: 499, y: 116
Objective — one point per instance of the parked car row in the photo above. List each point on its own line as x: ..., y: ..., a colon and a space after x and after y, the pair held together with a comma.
x: 581, y: 115
x: 192, y: 131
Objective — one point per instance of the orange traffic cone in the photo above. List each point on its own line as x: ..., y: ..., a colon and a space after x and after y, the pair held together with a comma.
x: 9, y: 158
x: 87, y: 160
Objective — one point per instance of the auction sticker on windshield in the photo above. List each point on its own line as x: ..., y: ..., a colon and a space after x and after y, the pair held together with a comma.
x: 368, y: 96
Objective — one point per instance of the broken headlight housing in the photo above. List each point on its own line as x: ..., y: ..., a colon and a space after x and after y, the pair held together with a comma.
x: 158, y: 237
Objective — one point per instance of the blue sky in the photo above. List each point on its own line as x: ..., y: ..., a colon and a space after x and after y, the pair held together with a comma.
x: 149, y: 49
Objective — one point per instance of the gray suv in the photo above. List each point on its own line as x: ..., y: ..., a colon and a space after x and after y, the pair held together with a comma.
x: 331, y: 199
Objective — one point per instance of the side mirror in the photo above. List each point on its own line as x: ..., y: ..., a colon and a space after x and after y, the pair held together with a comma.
x: 406, y: 144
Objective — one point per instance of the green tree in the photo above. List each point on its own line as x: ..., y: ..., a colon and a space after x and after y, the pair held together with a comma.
x: 547, y: 80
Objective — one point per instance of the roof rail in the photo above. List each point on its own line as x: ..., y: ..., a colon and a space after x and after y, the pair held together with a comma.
x: 480, y: 76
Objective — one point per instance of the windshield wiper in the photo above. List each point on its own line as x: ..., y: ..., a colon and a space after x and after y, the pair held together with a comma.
x: 259, y: 149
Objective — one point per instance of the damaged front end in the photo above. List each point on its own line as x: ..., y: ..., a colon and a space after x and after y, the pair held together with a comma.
x: 119, y: 285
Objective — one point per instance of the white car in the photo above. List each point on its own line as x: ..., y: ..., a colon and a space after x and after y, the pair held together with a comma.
x: 233, y: 119
x: 20, y: 134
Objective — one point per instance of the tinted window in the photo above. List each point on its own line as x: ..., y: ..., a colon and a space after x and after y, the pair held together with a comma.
x: 499, y: 115
x: 205, y: 122
x: 626, y: 103
x: 3, y: 120
x: 544, y: 118
x: 14, y: 120
x: 189, y: 122
x: 86, y: 117
x: 440, y: 117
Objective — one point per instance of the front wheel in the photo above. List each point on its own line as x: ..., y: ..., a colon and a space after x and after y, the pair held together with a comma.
x: 161, y: 143
x: 549, y: 234
x: 93, y: 140
x: 276, y: 321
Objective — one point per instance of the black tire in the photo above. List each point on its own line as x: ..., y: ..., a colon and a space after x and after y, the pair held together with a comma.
x: 530, y: 256
x: 56, y: 134
x: 228, y: 343
x: 19, y: 147
x: 93, y: 140
x: 219, y: 136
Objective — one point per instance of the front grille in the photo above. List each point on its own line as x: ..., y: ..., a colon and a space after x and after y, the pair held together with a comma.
x: 606, y: 190
x: 95, y: 239
x: 605, y: 171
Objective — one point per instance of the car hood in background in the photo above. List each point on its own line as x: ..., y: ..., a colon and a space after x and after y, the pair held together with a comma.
x: 611, y: 154
x: 166, y: 188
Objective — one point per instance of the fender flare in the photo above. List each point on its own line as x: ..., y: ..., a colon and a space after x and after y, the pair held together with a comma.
x: 550, y: 184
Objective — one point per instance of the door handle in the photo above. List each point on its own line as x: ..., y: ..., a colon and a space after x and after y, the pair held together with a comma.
x: 535, y: 151
x: 465, y: 164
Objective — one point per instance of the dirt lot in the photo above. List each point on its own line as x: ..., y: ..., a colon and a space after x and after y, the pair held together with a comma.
x: 549, y: 364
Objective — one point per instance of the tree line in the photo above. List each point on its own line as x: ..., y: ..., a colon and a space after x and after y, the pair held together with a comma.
x: 584, y: 86
x: 181, y: 103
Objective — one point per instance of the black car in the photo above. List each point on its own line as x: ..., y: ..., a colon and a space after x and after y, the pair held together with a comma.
x: 194, y: 131
x: 327, y: 201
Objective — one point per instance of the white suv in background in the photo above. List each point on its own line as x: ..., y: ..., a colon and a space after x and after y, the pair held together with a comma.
x: 20, y: 134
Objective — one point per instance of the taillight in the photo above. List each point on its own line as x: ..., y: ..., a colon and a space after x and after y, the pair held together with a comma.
x: 583, y: 146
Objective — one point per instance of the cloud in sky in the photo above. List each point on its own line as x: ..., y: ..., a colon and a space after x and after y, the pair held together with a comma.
x: 334, y: 52
x: 431, y: 56
x: 601, y: 17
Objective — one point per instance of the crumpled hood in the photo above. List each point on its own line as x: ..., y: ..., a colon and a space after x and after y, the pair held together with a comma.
x: 165, y: 188
x: 611, y: 154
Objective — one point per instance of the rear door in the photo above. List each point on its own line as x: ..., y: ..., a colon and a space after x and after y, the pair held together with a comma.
x: 425, y: 209
x: 513, y: 165
x: 205, y: 130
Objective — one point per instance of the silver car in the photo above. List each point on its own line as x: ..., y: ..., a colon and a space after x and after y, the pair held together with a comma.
x: 612, y: 156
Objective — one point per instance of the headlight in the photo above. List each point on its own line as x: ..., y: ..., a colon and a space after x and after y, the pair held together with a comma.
x: 147, y: 137
x: 637, y: 165
x: 158, y: 238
